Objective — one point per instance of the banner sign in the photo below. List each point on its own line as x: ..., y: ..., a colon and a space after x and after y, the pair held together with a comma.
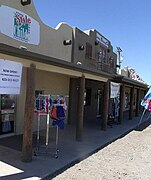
x: 115, y: 89
x: 102, y: 40
x: 19, y: 26
x: 146, y: 102
x: 10, y: 77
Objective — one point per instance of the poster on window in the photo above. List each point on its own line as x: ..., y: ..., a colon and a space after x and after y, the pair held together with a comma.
x: 10, y: 77
x: 115, y: 89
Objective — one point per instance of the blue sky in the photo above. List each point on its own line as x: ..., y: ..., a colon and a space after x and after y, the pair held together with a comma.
x: 127, y: 24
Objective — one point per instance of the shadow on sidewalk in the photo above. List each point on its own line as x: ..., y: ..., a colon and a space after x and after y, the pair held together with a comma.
x: 143, y: 125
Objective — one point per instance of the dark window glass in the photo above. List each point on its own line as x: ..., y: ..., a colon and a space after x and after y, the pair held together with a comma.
x: 88, y: 50
x: 38, y: 92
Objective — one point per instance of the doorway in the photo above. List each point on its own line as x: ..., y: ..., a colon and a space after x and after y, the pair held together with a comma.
x: 99, y: 102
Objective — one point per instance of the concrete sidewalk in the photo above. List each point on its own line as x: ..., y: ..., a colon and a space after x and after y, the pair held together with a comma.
x: 45, y: 166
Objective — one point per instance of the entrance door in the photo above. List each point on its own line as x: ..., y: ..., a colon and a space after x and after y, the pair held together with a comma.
x: 99, y: 102
x: 7, y: 113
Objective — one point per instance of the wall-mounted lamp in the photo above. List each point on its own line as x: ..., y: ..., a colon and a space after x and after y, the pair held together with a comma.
x: 79, y: 63
x: 25, y: 2
x: 67, y: 42
x: 108, y: 50
x: 81, y: 48
x: 96, y: 43
x: 23, y: 48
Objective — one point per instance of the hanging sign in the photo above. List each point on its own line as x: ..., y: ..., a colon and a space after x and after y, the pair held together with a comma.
x: 19, y: 26
x: 10, y: 77
x: 115, y: 88
x: 146, y: 102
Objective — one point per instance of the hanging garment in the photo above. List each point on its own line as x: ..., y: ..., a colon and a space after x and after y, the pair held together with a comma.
x: 149, y: 106
x: 111, y: 107
x: 59, y: 123
x: 58, y: 116
x: 60, y: 112
x: 6, y: 126
x: 54, y: 112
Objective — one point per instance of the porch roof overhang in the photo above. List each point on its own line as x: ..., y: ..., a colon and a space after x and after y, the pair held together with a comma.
x: 52, y: 64
x: 130, y: 82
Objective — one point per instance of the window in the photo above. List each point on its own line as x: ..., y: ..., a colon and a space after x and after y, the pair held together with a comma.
x: 111, y: 61
x: 38, y: 92
x: 88, y: 50
x: 102, y: 55
x: 127, y: 100
x: 7, y: 113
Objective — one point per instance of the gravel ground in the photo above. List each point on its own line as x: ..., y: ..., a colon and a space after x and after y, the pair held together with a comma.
x: 128, y: 158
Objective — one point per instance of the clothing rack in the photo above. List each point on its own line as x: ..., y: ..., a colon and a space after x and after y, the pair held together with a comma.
x: 46, y: 111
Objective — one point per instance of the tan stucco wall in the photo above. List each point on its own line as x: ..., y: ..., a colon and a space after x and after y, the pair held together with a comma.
x: 50, y: 83
x: 52, y: 80
x: 53, y: 84
x: 51, y: 40
x: 83, y: 37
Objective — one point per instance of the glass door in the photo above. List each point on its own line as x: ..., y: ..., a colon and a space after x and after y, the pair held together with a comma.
x: 99, y: 103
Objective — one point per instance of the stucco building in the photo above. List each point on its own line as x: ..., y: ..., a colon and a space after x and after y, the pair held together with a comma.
x: 69, y: 62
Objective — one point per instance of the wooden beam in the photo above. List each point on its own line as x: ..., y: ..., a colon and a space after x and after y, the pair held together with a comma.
x: 122, y: 103
x: 131, y: 103
x: 80, y: 110
x: 28, y: 115
x: 105, y: 106
x: 137, y: 103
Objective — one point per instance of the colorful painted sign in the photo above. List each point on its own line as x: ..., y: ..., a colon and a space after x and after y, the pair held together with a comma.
x: 19, y: 25
x: 10, y: 77
x: 102, y: 40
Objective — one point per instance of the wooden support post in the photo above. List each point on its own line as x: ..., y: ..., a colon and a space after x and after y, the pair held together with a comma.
x: 80, y: 110
x: 131, y: 103
x: 105, y: 106
x: 122, y: 102
x: 28, y: 115
x: 137, y: 102
x: 72, y: 110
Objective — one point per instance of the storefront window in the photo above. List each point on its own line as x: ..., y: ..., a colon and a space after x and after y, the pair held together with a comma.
x: 127, y: 100
x: 7, y: 113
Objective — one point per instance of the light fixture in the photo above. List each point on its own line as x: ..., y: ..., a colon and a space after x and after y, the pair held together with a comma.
x: 67, y: 42
x: 25, y: 2
x: 119, y: 49
x: 81, y: 48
